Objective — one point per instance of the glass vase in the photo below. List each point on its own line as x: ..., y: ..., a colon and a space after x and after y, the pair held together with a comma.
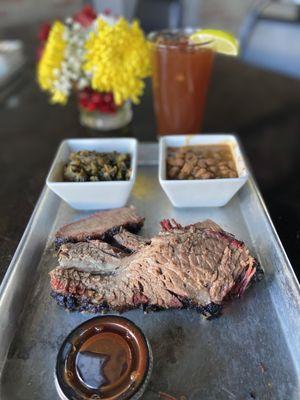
x: 106, y: 121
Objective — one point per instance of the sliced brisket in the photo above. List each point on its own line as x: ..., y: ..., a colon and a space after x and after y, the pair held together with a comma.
x: 93, y: 256
x: 195, y: 266
x: 129, y: 241
x: 101, y: 225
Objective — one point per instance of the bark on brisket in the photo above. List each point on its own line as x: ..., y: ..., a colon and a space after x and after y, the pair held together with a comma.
x: 101, y: 225
x: 197, y: 265
x: 84, y: 304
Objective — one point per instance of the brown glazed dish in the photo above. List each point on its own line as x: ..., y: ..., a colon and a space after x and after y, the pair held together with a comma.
x: 106, y: 357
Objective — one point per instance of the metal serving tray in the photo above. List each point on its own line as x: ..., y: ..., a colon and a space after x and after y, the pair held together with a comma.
x: 251, y: 352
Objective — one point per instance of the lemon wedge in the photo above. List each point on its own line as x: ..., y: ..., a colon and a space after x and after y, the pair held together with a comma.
x: 221, y: 41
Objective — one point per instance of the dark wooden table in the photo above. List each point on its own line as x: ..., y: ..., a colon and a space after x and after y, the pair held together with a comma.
x: 261, y: 107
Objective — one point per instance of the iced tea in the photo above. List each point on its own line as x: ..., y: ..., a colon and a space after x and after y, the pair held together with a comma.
x: 181, y: 74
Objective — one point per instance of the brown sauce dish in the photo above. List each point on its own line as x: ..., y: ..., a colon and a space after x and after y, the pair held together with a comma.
x: 106, y: 357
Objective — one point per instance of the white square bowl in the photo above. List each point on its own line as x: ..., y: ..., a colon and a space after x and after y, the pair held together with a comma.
x: 92, y: 195
x: 201, y: 192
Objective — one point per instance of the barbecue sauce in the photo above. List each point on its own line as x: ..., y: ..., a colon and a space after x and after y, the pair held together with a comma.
x: 105, y: 357
x: 103, y: 360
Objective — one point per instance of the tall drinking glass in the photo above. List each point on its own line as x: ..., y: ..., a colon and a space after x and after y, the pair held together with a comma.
x: 181, y: 75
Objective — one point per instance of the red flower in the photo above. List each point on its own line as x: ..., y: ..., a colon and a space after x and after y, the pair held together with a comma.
x: 92, y: 100
x: 85, y: 16
x: 91, y: 106
x: 107, y: 11
x: 43, y: 32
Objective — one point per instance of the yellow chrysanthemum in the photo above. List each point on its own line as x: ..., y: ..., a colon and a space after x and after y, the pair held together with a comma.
x: 50, y: 63
x: 117, y: 58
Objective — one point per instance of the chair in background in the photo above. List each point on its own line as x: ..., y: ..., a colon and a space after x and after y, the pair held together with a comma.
x: 270, y: 37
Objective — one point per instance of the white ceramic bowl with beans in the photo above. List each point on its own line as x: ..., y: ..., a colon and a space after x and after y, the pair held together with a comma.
x: 201, y: 192
x: 93, y: 195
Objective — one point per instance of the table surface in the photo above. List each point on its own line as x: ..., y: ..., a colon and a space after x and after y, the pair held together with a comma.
x: 261, y: 107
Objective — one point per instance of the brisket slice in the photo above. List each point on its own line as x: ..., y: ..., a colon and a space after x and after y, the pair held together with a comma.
x: 129, y: 241
x: 100, y: 225
x: 93, y: 256
x: 198, y: 266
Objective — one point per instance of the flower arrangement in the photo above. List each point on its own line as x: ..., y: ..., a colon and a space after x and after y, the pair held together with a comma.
x: 117, y: 59
x: 103, y: 59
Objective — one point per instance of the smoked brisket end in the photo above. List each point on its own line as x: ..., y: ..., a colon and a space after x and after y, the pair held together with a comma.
x: 101, y: 225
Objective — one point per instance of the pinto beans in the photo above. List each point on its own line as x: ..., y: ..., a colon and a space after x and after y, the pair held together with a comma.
x: 200, y: 162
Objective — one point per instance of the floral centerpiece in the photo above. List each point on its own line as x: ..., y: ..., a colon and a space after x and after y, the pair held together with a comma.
x: 103, y: 59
